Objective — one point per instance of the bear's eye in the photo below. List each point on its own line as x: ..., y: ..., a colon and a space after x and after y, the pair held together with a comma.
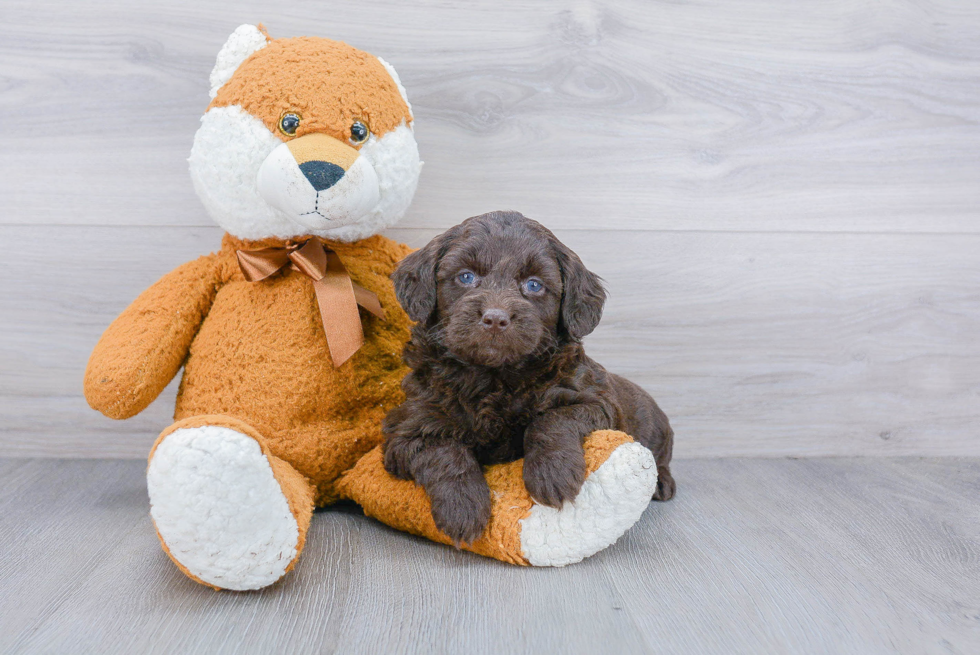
x: 288, y: 123
x: 359, y: 133
x: 467, y: 278
x: 533, y: 285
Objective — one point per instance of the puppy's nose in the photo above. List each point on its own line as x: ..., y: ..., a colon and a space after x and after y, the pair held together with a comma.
x: 496, y: 320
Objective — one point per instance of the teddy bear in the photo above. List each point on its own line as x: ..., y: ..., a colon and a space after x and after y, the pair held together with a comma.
x: 290, y: 336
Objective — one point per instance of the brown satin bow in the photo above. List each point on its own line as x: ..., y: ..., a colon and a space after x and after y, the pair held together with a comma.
x: 336, y: 294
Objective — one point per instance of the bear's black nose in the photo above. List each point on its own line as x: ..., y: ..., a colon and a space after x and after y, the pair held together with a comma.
x: 322, y: 174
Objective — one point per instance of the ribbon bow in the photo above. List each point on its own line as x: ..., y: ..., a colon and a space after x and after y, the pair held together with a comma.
x: 336, y: 294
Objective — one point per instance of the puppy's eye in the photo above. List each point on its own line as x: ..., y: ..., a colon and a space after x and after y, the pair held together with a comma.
x: 533, y: 285
x: 359, y: 133
x: 467, y: 278
x: 288, y: 123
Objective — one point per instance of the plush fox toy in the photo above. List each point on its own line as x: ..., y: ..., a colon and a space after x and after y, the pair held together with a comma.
x: 290, y: 335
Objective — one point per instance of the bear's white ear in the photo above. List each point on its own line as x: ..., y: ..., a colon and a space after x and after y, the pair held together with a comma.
x: 243, y: 42
x: 394, y: 76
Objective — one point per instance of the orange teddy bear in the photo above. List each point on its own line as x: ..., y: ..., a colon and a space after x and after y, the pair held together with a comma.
x: 290, y: 336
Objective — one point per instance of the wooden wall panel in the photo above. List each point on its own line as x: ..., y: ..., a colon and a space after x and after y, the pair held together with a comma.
x: 784, y: 199
x: 754, y: 344
x: 851, y: 115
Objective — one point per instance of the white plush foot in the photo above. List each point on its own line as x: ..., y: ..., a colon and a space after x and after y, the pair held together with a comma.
x: 612, y: 499
x: 219, y: 509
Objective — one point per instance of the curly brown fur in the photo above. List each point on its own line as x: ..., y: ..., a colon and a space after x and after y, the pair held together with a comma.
x: 499, y: 372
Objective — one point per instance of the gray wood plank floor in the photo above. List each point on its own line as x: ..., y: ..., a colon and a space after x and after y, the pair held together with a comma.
x: 804, y: 556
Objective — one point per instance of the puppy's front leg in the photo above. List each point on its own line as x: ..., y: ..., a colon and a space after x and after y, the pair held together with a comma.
x: 554, y: 463
x: 453, y: 479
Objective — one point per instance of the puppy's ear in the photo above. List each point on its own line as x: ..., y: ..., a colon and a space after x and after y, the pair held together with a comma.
x: 415, y: 278
x: 583, y: 295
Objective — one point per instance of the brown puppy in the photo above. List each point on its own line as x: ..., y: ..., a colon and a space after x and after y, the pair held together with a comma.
x: 499, y: 372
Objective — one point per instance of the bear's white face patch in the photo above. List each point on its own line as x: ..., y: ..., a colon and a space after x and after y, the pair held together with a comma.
x: 284, y: 185
x: 254, y: 189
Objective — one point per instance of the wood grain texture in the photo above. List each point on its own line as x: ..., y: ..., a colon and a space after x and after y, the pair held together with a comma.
x: 783, y: 199
x: 849, y: 115
x: 754, y: 344
x: 803, y: 556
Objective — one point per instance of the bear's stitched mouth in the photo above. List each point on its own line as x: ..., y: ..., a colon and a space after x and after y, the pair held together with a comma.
x: 336, y: 199
x: 316, y: 209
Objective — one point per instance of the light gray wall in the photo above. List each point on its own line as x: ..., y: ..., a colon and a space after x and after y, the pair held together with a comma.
x: 782, y: 197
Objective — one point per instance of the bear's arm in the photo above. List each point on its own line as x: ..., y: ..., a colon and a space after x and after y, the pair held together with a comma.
x: 142, y: 350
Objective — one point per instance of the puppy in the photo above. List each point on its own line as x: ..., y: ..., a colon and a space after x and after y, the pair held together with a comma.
x: 499, y: 372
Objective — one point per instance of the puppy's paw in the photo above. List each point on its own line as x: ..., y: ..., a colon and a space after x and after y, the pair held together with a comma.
x: 665, y: 484
x: 461, y: 510
x: 396, y: 458
x: 555, y: 476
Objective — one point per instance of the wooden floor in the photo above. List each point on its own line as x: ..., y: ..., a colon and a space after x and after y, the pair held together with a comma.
x: 753, y: 556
